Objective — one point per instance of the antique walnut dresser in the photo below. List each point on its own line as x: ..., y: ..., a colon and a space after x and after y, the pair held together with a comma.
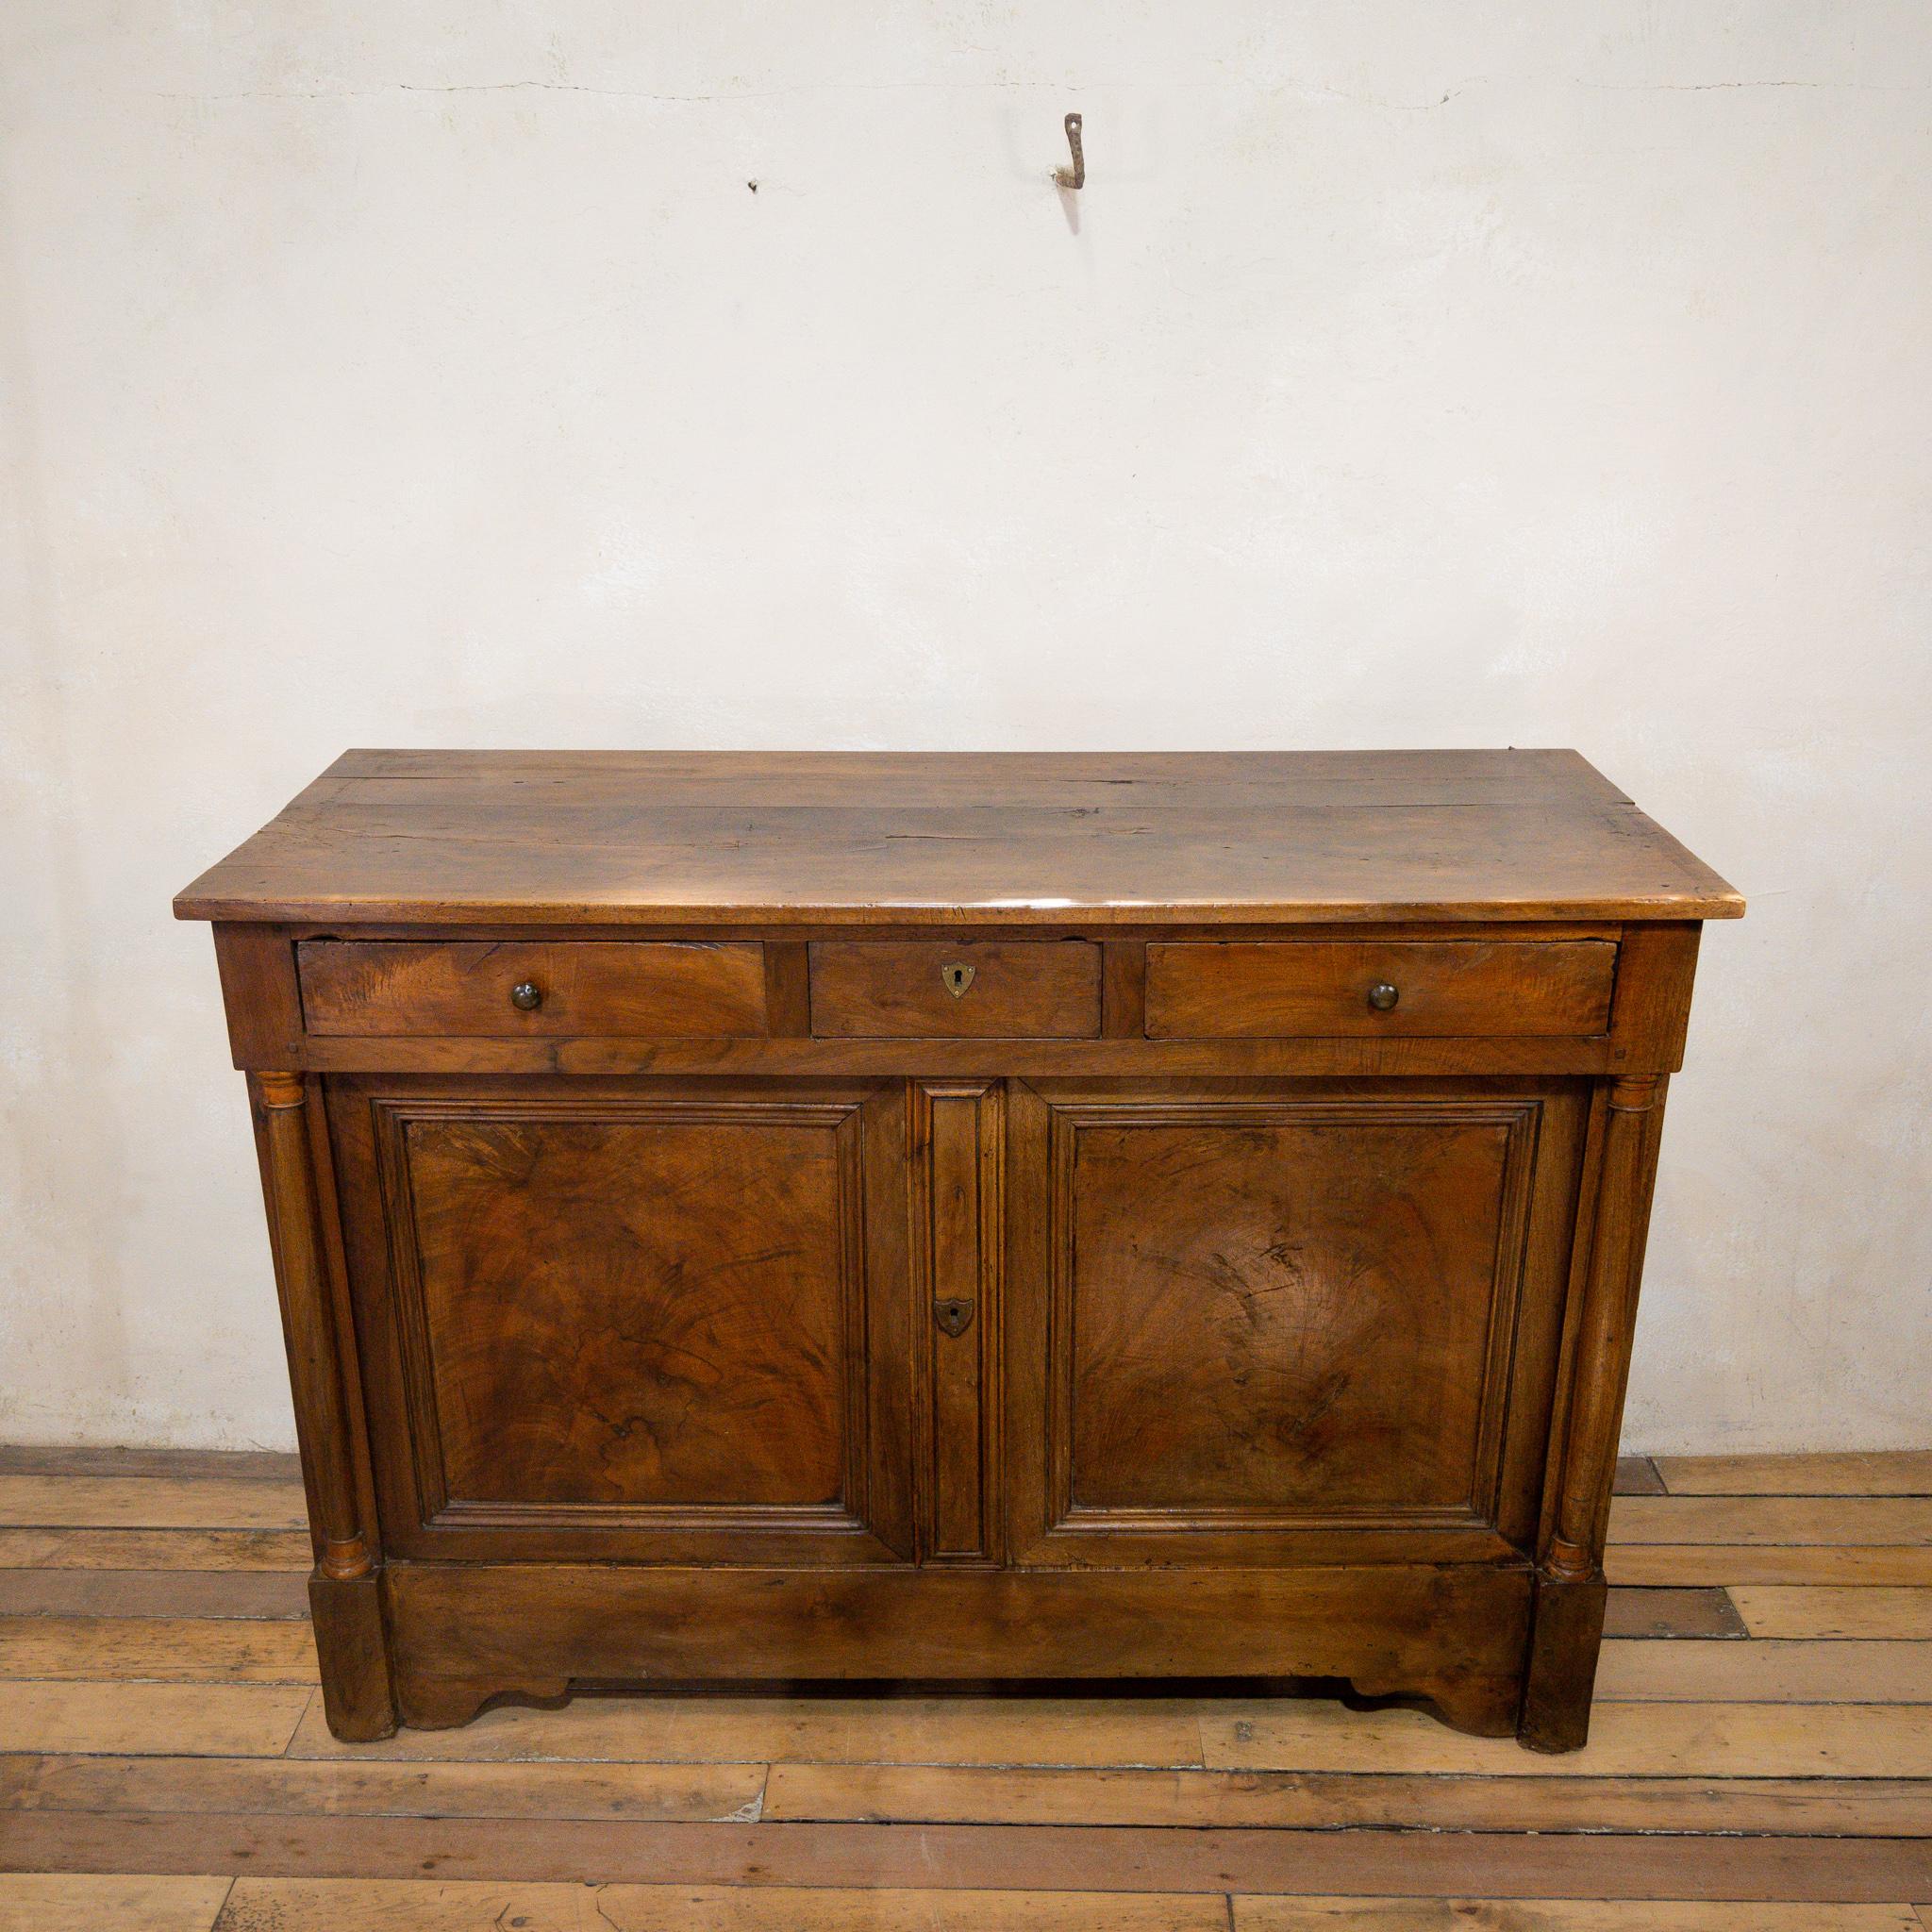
x: 958, y: 1216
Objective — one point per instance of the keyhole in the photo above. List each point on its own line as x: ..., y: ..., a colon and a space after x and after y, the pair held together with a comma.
x: 957, y: 976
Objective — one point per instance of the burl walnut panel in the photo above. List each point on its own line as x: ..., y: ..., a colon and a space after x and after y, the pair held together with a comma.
x: 809, y: 1214
x: 1298, y: 1310
x: 632, y: 1307
x: 656, y: 1323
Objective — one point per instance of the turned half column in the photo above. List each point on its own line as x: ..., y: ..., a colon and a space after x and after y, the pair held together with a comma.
x: 1570, y: 1585
x: 343, y: 1590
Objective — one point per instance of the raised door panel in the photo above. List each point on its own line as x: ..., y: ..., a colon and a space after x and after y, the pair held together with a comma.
x: 636, y: 1322
x: 1297, y: 1323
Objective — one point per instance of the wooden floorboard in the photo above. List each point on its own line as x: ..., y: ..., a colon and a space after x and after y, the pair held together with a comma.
x: 1771, y: 1610
x: 190, y: 1720
x: 311, y: 1905
x: 179, y: 1650
x: 1660, y: 1739
x: 266, y: 1465
x: 1694, y: 1564
x: 1836, y: 1521
x: 1018, y: 1857
x: 267, y: 1905
x: 284, y: 1786
x: 1701, y: 1613
x: 911, y: 1730
x: 1299, y: 1800
x: 105, y: 1502
x: 1557, y: 1915
x: 1636, y: 1475
x: 44, y: 1547
x: 284, y: 1594
x: 1760, y: 1755
x: 68, y: 1900
x: 1776, y: 1670
x: 1878, y: 1472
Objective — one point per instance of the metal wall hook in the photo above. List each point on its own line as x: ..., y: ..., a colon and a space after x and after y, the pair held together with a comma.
x: 1074, y: 176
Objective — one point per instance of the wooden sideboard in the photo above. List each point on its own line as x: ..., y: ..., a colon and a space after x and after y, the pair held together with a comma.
x: 958, y: 1216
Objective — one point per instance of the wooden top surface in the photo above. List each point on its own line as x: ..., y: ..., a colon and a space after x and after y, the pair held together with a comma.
x: 967, y: 838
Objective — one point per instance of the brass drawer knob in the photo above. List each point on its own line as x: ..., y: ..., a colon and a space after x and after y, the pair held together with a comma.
x: 1383, y: 996
x: 526, y: 996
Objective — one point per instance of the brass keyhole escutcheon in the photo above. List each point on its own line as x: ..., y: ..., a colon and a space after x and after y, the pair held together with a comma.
x: 959, y: 976
x: 952, y: 1315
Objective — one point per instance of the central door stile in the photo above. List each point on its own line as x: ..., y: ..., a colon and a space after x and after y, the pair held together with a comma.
x: 957, y: 1219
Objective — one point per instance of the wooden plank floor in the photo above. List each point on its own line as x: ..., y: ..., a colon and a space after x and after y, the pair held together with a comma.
x: 1762, y: 1756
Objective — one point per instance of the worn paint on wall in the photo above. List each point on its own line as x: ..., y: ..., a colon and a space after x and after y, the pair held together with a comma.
x: 1405, y: 375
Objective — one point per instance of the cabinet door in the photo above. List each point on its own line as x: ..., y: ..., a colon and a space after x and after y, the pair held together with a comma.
x: 636, y: 1319
x: 1310, y: 1320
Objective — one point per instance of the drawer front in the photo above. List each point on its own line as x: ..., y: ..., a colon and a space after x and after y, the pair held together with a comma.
x: 1312, y: 987
x: 1023, y: 989
x: 421, y: 988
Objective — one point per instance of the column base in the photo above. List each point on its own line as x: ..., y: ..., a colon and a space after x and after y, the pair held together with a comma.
x: 354, y: 1652
x: 1566, y: 1633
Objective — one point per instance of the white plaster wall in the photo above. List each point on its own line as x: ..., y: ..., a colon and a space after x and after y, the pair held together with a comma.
x: 422, y: 372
